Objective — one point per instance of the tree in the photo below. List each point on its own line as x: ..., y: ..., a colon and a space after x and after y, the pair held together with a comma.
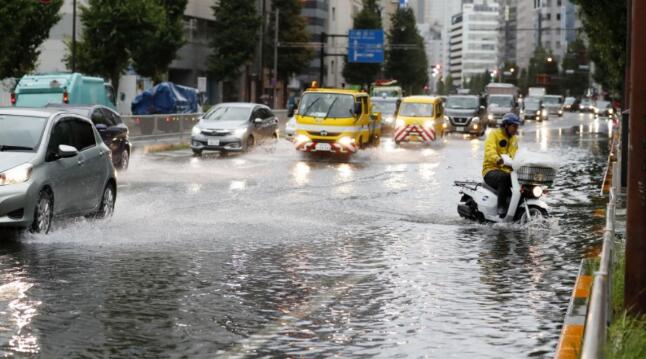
x: 157, y: 46
x: 368, y: 18
x: 448, y: 85
x: 235, y: 36
x: 291, y: 29
x: 543, y: 70
x: 408, y: 65
x: 574, y: 77
x: 607, y: 47
x: 24, y: 24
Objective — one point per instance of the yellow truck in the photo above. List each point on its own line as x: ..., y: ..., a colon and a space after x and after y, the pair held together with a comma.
x: 335, y: 121
x: 420, y: 119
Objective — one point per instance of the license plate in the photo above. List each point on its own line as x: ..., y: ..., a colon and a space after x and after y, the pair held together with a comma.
x: 460, y: 128
x: 214, y: 142
x: 415, y: 138
x: 323, y: 147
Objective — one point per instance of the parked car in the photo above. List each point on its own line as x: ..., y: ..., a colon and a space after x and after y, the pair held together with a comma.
x: 112, y: 130
x: 534, y: 109
x: 53, y: 164
x: 38, y: 90
x: 466, y: 115
x: 234, y: 127
x: 570, y: 104
x: 290, y: 129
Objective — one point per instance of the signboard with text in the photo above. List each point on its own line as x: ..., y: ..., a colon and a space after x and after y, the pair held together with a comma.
x: 366, y: 46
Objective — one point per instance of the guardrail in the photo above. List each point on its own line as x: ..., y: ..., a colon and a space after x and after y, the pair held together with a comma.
x: 600, y: 307
x: 173, y: 126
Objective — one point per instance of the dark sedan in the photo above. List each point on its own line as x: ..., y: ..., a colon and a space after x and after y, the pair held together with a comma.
x: 112, y: 130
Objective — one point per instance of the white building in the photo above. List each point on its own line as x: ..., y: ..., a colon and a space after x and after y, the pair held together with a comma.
x: 440, y: 13
x: 434, y: 45
x: 474, y: 40
x: 340, y: 21
x: 552, y: 23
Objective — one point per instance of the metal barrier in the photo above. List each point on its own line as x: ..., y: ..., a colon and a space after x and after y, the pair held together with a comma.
x: 174, y: 126
x: 600, y: 309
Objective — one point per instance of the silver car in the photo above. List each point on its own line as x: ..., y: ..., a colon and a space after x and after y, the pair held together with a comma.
x: 52, y: 163
x: 234, y: 127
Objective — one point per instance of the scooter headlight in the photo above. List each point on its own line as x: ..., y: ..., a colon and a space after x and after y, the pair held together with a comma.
x: 537, y: 191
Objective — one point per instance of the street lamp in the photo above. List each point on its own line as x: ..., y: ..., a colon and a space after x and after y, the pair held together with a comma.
x: 512, y: 70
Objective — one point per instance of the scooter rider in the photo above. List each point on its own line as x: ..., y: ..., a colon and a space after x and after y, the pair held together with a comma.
x: 502, y: 141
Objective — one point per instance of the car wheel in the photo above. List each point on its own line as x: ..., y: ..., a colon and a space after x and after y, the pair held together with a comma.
x: 106, y: 207
x: 125, y: 160
x: 43, y: 213
x: 197, y: 153
x: 249, y: 144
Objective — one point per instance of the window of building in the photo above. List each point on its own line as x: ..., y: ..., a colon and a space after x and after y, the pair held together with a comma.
x: 558, y: 17
x: 548, y: 17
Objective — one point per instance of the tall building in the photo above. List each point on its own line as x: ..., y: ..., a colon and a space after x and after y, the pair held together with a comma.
x: 508, y: 31
x: 316, y: 12
x: 440, y: 13
x: 388, y: 8
x: 474, y: 40
x: 550, y: 23
x: 341, y: 20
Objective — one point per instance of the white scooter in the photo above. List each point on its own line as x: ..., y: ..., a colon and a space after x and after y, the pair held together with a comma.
x: 529, y: 179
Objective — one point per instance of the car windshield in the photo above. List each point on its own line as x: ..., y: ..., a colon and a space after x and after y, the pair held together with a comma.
x: 551, y: 100
x: 602, y: 104
x: 569, y: 100
x: 586, y: 102
x: 501, y: 101
x: 532, y: 102
x: 385, y: 108
x: 462, y: 102
x: 228, y: 114
x: 411, y: 109
x: 328, y: 105
x: 20, y: 133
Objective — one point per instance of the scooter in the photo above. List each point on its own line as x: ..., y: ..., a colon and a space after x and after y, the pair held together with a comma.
x: 530, y: 180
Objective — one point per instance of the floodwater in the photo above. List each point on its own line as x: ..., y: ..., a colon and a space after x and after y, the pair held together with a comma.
x: 276, y: 254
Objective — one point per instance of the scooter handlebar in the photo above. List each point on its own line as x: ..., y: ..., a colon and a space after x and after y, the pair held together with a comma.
x: 507, y: 161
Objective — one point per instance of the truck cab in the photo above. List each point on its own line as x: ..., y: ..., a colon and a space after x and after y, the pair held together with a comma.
x: 335, y: 121
x: 420, y: 119
x: 62, y: 88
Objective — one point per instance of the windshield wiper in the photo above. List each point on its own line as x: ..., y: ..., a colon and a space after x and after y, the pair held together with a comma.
x: 15, y: 148
x: 330, y: 109
x: 307, y: 109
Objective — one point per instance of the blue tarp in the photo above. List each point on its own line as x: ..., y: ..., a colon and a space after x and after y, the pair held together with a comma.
x: 165, y: 98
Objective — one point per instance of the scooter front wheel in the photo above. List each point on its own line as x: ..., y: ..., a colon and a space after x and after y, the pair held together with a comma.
x: 535, y: 212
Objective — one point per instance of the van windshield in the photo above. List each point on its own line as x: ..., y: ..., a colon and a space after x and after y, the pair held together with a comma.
x: 38, y: 99
x: 20, y: 133
x: 385, y: 108
x: 410, y: 109
x: 501, y: 101
x: 327, y: 105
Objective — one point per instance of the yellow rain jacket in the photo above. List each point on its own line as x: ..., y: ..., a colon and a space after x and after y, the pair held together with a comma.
x: 497, y: 144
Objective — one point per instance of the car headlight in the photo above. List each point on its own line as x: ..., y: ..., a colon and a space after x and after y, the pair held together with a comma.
x: 400, y: 123
x: 537, y: 191
x: 611, y: 111
x: 490, y: 117
x: 346, y: 141
x: 240, y: 132
x: 429, y: 123
x: 16, y: 175
x: 302, y: 139
x: 538, y: 112
x: 475, y: 119
x: 196, y: 130
x: 544, y: 112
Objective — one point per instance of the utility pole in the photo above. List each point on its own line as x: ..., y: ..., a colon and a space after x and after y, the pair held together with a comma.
x: 74, y: 36
x: 275, y: 80
x: 635, y: 286
x: 322, y: 58
x: 260, y: 78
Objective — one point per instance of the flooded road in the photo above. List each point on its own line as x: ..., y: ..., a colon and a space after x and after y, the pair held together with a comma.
x: 275, y: 254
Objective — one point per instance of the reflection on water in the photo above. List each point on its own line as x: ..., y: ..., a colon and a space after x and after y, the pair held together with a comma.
x: 316, y: 258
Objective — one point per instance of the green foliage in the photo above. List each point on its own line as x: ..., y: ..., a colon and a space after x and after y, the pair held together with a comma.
x: 408, y: 66
x: 604, y: 23
x: 627, y: 338
x: 576, y: 82
x: 156, y: 48
x: 476, y: 84
x: 147, y: 31
x: 235, y: 36
x: 24, y: 25
x: 291, y: 29
x: 539, y: 65
x: 368, y: 18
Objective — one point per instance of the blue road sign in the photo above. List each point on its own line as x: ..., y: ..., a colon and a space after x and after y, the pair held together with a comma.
x: 366, y: 46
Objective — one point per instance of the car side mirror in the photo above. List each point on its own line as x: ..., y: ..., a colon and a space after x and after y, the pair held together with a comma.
x: 257, y: 121
x: 291, y: 112
x: 65, y: 151
x: 101, y: 127
x: 482, y: 108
